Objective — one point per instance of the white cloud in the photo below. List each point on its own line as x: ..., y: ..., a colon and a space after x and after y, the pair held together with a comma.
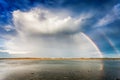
x: 110, y: 17
x: 31, y: 26
x: 8, y: 28
x: 116, y: 10
x: 46, y: 22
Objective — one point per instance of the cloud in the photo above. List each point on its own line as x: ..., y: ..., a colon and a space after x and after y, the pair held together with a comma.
x: 110, y: 17
x: 46, y: 22
x: 41, y: 33
x: 116, y: 10
x: 8, y: 28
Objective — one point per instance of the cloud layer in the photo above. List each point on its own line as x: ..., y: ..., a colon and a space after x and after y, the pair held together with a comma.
x: 42, y: 33
x: 110, y: 17
x: 46, y: 22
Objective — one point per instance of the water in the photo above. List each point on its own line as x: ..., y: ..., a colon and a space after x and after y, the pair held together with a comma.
x: 59, y: 70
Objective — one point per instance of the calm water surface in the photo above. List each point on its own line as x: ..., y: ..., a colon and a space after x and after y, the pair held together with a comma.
x: 60, y: 70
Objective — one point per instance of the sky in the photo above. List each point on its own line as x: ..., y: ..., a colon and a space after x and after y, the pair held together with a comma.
x: 60, y: 28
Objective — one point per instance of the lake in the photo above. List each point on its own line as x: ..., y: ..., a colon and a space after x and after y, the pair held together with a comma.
x: 59, y: 69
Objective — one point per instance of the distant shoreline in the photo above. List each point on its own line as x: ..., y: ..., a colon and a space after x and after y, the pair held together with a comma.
x: 59, y: 58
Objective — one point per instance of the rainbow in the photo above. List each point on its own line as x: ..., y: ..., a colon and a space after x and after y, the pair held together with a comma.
x: 94, y: 45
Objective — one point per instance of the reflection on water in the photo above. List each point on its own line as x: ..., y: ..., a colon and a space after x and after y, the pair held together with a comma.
x: 59, y: 70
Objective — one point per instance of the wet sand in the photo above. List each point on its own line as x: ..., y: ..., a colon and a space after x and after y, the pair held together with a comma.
x: 62, y: 70
x: 46, y: 75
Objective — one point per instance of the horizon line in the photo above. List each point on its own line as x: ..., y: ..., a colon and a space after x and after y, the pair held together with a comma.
x: 34, y: 58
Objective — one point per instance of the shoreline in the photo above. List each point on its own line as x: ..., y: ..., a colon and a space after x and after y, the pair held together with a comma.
x: 59, y: 58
